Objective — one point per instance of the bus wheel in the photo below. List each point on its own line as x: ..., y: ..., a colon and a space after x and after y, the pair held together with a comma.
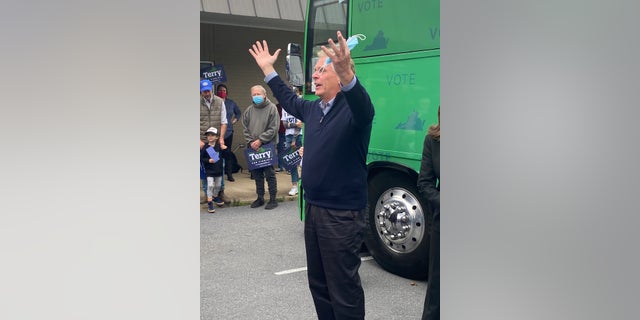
x: 396, y: 234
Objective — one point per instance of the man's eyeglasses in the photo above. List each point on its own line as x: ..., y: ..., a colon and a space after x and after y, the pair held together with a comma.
x: 320, y: 70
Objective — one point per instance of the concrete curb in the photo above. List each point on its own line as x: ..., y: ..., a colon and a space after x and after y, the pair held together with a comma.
x: 242, y: 191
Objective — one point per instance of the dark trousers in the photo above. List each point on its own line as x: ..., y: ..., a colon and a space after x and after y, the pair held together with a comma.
x: 431, y: 309
x: 259, y: 176
x: 280, y: 147
x: 332, y: 241
x: 226, y: 154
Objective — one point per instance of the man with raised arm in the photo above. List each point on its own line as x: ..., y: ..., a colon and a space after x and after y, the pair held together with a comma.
x: 337, y: 131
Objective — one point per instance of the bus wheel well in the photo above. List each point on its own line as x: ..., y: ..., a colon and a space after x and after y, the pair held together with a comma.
x: 380, y: 167
x: 396, y: 224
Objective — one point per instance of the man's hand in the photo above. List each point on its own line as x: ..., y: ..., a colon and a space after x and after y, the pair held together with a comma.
x: 201, y: 144
x: 265, y: 60
x: 341, y: 59
x: 222, y: 145
x: 256, y: 144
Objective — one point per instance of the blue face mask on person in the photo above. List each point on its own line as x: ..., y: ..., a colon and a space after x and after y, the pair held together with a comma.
x: 258, y: 99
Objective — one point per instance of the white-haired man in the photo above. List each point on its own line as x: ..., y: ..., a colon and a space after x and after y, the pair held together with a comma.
x: 337, y: 131
x: 261, y: 121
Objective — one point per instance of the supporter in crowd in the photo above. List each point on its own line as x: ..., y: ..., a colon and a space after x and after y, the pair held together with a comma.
x: 213, y: 113
x: 233, y: 115
x: 293, y: 141
x: 281, y: 132
x: 260, y: 121
x: 212, y: 162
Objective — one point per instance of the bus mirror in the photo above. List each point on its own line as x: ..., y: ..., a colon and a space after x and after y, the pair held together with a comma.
x: 294, y: 65
x: 294, y: 49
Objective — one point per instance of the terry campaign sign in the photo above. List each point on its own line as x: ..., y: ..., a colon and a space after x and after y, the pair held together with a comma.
x: 214, y: 73
x: 290, y: 159
x: 264, y: 157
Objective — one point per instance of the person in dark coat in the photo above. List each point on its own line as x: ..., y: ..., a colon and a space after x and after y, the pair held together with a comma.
x: 233, y: 115
x: 429, y: 188
x: 211, y: 161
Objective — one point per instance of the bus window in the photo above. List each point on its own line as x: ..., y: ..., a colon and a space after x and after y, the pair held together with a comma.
x: 326, y: 17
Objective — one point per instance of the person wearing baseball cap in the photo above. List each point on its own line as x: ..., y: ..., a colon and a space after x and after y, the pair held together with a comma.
x: 213, y: 113
x: 205, y: 85
x: 212, y: 163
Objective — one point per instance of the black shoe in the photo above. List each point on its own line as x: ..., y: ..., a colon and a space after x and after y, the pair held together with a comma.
x: 223, y: 197
x: 230, y: 178
x: 271, y: 204
x: 218, y: 202
x: 258, y: 202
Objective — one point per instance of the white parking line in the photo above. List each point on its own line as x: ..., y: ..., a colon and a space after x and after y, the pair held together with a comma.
x: 279, y: 273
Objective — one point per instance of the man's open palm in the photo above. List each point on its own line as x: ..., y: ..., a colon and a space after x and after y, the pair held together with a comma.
x: 265, y: 60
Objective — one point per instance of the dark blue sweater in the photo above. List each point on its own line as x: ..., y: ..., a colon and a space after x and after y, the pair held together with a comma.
x: 334, y: 169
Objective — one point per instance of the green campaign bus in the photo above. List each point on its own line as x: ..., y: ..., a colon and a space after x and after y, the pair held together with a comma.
x: 399, y: 65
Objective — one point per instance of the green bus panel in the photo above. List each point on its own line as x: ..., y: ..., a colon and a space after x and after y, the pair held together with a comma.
x: 394, y: 26
x: 405, y: 90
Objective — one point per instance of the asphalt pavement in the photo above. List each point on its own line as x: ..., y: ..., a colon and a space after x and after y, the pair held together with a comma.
x: 253, y: 267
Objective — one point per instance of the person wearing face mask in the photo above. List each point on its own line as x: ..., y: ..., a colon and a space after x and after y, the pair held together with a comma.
x: 337, y: 128
x: 233, y: 115
x: 261, y: 121
x: 213, y: 113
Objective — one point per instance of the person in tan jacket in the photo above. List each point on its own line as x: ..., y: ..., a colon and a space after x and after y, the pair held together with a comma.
x: 213, y: 113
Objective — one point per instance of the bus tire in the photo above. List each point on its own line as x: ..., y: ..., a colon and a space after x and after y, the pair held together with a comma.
x: 396, y: 230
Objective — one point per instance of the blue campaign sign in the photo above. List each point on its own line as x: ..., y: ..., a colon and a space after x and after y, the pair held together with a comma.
x: 215, y: 73
x: 264, y: 157
x: 290, y: 159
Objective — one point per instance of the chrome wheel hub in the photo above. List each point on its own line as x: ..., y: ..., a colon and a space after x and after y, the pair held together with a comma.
x: 400, y: 220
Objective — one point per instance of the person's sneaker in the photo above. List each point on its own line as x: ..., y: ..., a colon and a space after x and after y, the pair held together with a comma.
x: 218, y: 202
x: 293, y: 191
x: 210, y: 207
x: 230, y: 178
x: 258, y: 202
x: 271, y: 204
